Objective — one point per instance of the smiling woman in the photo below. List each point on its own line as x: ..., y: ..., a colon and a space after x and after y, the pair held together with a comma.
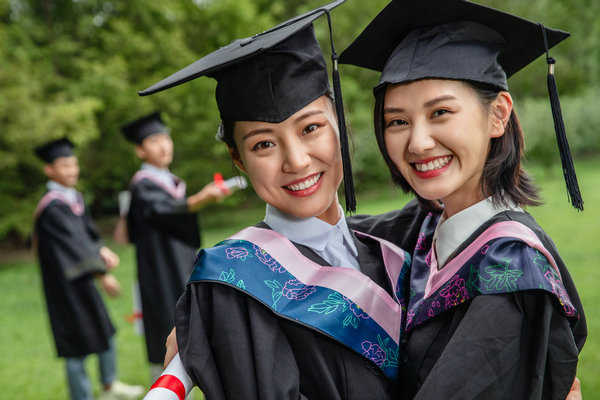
x: 294, y: 165
x: 493, y: 311
x: 303, y: 304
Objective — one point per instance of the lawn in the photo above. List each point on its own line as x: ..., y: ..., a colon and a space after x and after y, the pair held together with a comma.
x: 30, y: 369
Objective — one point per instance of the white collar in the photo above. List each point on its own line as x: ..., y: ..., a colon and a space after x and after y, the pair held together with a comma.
x: 311, y: 232
x: 450, y: 233
x: 70, y: 193
x: 162, y: 174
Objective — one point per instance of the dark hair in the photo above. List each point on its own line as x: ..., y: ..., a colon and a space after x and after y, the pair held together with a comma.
x: 503, y: 177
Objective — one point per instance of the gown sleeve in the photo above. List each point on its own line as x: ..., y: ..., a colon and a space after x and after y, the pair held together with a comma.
x: 243, y: 354
x: 150, y: 203
x: 510, y: 346
x: 76, y: 242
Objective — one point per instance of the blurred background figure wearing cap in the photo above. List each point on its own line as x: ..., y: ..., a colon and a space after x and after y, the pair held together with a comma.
x: 71, y: 256
x: 265, y: 316
x: 163, y: 224
x: 494, y: 312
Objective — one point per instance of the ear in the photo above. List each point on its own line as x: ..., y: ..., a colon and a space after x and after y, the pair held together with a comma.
x: 139, y: 151
x: 501, y: 109
x: 235, y: 157
x: 49, y: 170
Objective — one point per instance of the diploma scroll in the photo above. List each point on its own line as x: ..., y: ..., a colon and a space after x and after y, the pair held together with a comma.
x: 173, y: 384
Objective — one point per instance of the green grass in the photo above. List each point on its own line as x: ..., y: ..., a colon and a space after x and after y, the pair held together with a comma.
x: 30, y: 369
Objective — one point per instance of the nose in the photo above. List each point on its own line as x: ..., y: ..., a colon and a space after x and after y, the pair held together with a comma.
x: 296, y: 157
x: 421, y: 139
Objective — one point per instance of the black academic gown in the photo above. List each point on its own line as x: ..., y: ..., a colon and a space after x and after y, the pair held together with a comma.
x: 166, y: 237
x: 234, y: 347
x: 67, y: 247
x: 502, y: 346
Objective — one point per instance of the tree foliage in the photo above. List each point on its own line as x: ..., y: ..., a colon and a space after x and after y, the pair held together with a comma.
x: 72, y: 68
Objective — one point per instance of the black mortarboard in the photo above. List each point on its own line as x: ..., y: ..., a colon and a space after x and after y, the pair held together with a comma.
x: 457, y: 39
x: 270, y: 76
x: 138, y: 130
x: 52, y: 150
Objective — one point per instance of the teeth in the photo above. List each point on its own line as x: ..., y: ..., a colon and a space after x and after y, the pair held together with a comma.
x: 431, y: 165
x: 306, y: 184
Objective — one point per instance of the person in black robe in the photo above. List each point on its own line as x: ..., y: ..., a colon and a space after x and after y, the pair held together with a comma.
x: 236, y: 342
x: 493, y: 312
x: 72, y: 257
x: 163, y: 224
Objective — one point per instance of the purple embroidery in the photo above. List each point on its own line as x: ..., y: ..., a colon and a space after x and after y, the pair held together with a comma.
x: 420, y: 241
x: 409, y: 317
x: 237, y: 252
x: 374, y: 352
x: 266, y: 259
x: 455, y: 292
x: 356, y: 310
x: 560, y: 292
x: 428, y: 258
x: 296, y: 290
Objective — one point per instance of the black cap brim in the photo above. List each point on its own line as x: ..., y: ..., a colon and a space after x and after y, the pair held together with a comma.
x: 524, y: 39
x: 240, y: 50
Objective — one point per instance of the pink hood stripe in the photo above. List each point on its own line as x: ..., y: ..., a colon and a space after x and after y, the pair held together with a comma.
x: 347, y: 281
x: 437, y: 278
x: 77, y: 208
x: 177, y: 191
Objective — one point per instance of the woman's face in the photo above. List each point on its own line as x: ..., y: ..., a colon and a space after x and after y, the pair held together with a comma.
x: 438, y: 136
x: 294, y: 165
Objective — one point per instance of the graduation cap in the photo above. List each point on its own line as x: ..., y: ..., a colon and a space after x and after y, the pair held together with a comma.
x: 138, y: 130
x: 270, y: 76
x: 457, y: 39
x: 50, y: 151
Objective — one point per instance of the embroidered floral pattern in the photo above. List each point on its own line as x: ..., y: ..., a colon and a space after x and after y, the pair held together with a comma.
x: 356, y: 310
x: 266, y: 259
x: 488, y: 270
x: 374, y: 352
x: 420, y: 241
x: 296, y: 290
x: 455, y: 292
x: 237, y: 252
x: 502, y: 277
x: 319, y: 307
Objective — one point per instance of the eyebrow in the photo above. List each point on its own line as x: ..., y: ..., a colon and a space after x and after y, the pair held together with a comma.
x: 255, y: 132
x: 307, y: 114
x: 429, y: 103
x: 299, y: 118
x: 439, y: 99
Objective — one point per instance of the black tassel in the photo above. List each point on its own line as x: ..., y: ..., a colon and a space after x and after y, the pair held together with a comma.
x: 561, y: 135
x: 344, y: 145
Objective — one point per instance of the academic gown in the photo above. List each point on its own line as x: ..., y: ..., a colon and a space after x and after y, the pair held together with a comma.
x: 517, y: 345
x: 67, y: 246
x: 222, y: 331
x: 166, y: 237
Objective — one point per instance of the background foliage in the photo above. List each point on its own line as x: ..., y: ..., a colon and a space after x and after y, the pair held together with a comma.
x: 72, y: 67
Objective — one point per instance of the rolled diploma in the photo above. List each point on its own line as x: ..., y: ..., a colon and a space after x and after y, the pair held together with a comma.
x: 173, y: 384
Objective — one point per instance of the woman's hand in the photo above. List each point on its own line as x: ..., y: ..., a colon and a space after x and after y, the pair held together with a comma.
x: 171, y: 345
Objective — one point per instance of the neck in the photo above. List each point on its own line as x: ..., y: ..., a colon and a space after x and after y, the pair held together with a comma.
x: 332, y: 215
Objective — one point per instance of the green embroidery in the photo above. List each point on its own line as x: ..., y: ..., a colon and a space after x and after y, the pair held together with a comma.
x: 473, y: 281
x: 502, y: 278
x: 276, y: 294
x: 227, y: 276
x: 333, y: 302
